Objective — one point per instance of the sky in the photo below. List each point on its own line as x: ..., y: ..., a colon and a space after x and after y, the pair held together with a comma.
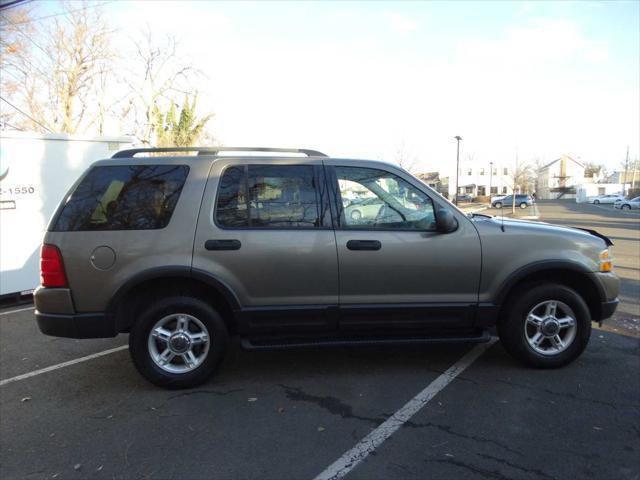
x: 366, y: 79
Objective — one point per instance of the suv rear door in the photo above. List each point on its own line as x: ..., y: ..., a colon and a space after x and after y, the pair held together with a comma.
x: 396, y: 271
x: 265, y: 231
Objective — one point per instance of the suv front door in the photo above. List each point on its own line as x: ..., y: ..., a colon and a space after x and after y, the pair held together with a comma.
x: 265, y: 232
x: 396, y: 271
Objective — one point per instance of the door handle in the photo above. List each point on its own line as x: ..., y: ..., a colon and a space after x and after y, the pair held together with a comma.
x: 222, y: 244
x: 364, y: 245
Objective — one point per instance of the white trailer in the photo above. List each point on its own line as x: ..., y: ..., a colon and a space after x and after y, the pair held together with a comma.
x: 588, y: 190
x: 36, y: 171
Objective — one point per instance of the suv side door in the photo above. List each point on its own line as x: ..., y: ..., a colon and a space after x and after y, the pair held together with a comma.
x: 265, y: 232
x: 396, y: 271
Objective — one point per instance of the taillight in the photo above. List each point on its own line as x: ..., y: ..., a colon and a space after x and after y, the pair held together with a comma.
x: 51, y: 267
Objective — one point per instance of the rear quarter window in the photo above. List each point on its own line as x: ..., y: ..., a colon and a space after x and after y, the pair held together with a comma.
x: 135, y: 197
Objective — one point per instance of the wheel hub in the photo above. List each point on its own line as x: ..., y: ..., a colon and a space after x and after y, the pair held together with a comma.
x: 550, y: 327
x: 179, y: 343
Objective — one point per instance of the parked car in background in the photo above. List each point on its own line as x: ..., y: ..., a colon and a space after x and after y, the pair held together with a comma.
x: 522, y: 201
x: 633, y: 204
x: 609, y: 198
x: 464, y: 197
x: 367, y: 208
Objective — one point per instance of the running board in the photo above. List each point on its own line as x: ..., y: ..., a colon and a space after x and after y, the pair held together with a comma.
x: 343, y: 341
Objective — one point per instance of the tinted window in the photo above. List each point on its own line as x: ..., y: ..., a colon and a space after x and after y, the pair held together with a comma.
x: 268, y: 196
x: 232, y: 208
x: 138, y: 197
x: 376, y: 199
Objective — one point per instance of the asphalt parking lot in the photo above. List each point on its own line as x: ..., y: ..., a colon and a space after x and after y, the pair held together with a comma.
x: 301, y: 414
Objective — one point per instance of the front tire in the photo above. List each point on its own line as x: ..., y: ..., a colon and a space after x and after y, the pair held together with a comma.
x: 545, y: 326
x: 626, y: 207
x: 596, y: 202
x: 498, y: 205
x: 356, y: 215
x: 177, y: 342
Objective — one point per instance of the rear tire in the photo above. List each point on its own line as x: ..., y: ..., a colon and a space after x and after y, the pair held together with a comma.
x: 197, y: 363
x: 356, y: 215
x: 523, y: 205
x: 535, y: 344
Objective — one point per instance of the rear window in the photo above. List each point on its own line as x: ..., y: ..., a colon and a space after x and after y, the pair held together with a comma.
x: 136, y: 197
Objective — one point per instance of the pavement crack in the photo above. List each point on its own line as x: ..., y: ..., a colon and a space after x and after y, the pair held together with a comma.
x: 475, y: 438
x: 205, y: 392
x: 570, y: 396
x: 475, y: 469
x: 333, y: 405
x: 502, y: 461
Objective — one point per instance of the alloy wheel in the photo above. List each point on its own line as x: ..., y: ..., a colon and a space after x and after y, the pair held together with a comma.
x: 550, y: 327
x: 178, y: 343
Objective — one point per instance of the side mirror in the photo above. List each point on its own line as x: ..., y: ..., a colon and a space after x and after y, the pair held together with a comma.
x: 445, y: 221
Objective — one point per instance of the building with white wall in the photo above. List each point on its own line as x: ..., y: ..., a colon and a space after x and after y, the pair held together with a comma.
x: 482, y: 179
x: 560, y: 178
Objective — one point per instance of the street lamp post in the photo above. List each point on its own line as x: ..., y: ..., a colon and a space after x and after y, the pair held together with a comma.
x: 455, y: 195
x: 490, y: 177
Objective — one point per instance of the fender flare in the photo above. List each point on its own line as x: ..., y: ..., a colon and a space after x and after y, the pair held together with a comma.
x: 540, y: 266
x: 173, y: 271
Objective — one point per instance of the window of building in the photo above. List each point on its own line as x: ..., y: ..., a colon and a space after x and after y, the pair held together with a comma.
x: 494, y: 190
x: 505, y: 171
x: 469, y: 171
x: 482, y: 191
x: 482, y: 171
x: 504, y: 189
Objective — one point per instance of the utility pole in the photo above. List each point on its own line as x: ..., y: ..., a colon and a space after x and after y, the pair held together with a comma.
x: 455, y: 195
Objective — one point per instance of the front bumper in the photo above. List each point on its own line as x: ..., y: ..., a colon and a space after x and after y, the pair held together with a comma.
x: 80, y: 325
x: 607, y: 309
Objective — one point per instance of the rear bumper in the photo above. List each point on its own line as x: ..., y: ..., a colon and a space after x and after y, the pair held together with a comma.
x: 83, y: 325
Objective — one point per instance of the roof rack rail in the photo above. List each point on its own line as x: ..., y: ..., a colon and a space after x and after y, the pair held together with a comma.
x: 214, y: 151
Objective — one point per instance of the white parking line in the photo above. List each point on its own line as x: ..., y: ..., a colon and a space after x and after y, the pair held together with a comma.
x: 24, y: 376
x: 368, y: 444
x: 16, y: 311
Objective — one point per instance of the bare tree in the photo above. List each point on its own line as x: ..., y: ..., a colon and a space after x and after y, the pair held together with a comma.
x: 52, y: 71
x: 158, y: 76
x: 522, y: 175
x: 404, y: 158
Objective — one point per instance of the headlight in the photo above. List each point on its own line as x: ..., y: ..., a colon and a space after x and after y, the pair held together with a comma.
x: 606, y: 262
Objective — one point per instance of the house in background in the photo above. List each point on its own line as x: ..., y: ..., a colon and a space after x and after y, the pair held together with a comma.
x: 560, y: 178
x: 480, y: 179
x: 630, y: 179
x: 433, y: 179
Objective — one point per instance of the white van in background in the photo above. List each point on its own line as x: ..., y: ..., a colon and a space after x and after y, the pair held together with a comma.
x: 35, y: 173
